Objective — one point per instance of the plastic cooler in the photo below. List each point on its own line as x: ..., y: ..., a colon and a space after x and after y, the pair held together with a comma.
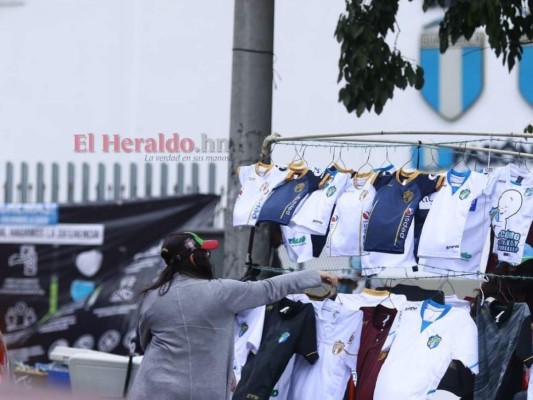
x: 100, y: 374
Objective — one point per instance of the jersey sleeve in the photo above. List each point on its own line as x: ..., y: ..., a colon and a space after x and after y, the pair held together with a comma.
x: 381, y: 180
x: 238, y: 296
x: 307, y: 345
x: 465, y: 346
x: 524, y: 349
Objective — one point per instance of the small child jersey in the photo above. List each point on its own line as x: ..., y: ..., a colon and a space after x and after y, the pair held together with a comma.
x: 350, y: 217
x: 377, y: 322
x: 257, y: 183
x: 442, y: 233
x: 338, y: 334
x: 512, y: 212
x: 248, y: 333
x: 284, y: 200
x: 375, y: 262
x: 314, y: 215
x: 474, y: 250
x: 427, y: 340
x: 395, y: 204
x: 289, y: 328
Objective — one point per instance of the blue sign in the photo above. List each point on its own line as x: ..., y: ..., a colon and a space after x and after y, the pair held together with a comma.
x: 29, y: 214
x: 525, y: 74
x: 453, y: 81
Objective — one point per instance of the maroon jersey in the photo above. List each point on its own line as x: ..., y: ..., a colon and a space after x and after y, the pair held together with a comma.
x: 377, y: 322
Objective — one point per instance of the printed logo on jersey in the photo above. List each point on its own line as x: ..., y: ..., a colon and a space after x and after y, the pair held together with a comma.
x: 528, y: 192
x: 240, y: 192
x: 297, y: 241
x: 508, y: 241
x: 331, y: 191
x: 269, y: 308
x: 274, y: 393
x: 473, y: 206
x: 509, y: 203
x: 404, y: 227
x: 366, y: 215
x: 283, y: 337
x: 382, y: 355
x: 299, y: 187
x: 292, y: 205
x: 351, y: 339
x: 464, y: 194
x: 244, y: 328
x: 411, y: 308
x: 338, y: 347
x: 334, y: 218
x: 408, y: 196
x: 363, y: 194
x: 466, y: 256
x: 264, y: 187
x: 434, y: 341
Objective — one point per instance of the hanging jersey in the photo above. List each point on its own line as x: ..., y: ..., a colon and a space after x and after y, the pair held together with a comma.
x: 282, y: 203
x: 451, y: 207
x: 377, y: 322
x: 373, y: 298
x: 427, y: 340
x: 504, y: 348
x: 350, y: 217
x: 314, y: 215
x: 454, y: 301
x: 257, y: 183
x: 289, y: 329
x: 248, y: 334
x: 375, y: 262
x: 394, y: 207
x: 512, y: 212
x: 301, y: 247
x: 475, y: 238
x: 338, y: 334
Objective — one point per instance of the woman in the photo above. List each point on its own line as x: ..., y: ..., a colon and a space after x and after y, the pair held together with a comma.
x: 186, y: 321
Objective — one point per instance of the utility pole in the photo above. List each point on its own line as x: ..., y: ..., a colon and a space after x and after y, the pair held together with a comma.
x: 250, y: 120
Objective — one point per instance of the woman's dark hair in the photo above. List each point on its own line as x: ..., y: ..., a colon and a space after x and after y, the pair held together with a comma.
x: 196, y: 265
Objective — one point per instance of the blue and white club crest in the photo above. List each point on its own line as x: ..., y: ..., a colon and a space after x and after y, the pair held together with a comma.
x: 453, y: 81
x: 525, y: 74
x: 434, y: 341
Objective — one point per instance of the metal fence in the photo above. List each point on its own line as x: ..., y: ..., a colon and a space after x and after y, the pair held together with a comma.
x: 70, y: 182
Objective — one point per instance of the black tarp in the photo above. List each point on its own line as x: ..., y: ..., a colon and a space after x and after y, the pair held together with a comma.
x: 84, y: 295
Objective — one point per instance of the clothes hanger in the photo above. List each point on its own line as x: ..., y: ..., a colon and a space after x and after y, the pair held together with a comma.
x: 462, y: 161
x: 298, y: 166
x: 340, y: 165
x: 433, y: 161
x: 447, y: 281
x: 388, y: 295
x: 521, y: 160
x: 367, y: 162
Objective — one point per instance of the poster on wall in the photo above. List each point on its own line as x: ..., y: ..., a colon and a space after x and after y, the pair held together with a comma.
x: 71, y: 274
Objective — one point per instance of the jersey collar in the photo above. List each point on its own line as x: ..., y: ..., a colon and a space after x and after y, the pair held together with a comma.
x: 444, y: 309
x: 465, y: 175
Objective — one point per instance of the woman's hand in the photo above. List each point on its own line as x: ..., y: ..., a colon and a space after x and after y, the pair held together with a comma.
x: 329, y: 278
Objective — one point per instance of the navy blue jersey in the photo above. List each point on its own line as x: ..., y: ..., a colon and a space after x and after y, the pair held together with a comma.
x: 394, y: 207
x: 281, y: 204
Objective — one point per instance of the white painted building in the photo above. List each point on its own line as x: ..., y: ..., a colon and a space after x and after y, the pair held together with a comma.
x: 137, y: 68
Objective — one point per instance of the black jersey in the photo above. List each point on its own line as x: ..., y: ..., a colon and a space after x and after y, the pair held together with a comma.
x: 289, y: 328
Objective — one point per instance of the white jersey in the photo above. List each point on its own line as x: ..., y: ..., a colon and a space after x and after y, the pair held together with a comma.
x: 315, y: 213
x: 512, y: 212
x: 475, y: 238
x: 375, y: 262
x: 372, y: 298
x: 444, y: 227
x: 338, y: 336
x: 248, y: 334
x: 427, y: 340
x: 257, y: 183
x: 298, y: 245
x: 350, y: 218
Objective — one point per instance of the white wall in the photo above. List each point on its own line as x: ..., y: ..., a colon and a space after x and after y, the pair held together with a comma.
x: 139, y: 67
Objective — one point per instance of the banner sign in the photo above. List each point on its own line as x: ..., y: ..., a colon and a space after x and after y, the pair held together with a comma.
x: 77, y: 282
x: 28, y: 214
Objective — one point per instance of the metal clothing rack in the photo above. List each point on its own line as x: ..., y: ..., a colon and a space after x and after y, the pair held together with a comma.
x: 360, y: 137
x: 369, y: 138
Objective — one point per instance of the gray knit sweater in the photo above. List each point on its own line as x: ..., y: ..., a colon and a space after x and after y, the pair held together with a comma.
x: 187, y: 334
